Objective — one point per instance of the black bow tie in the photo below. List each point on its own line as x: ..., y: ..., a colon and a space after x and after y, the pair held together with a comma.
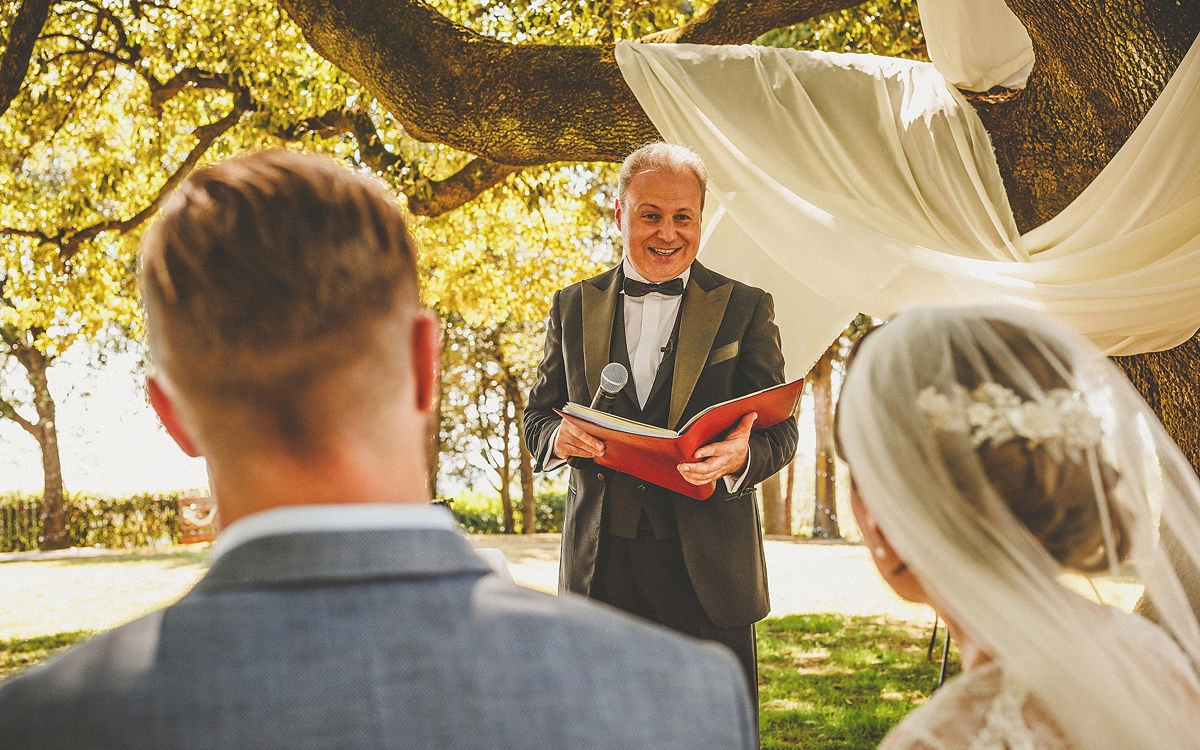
x: 635, y: 288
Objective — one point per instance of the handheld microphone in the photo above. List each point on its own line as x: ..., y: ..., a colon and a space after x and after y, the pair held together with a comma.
x: 613, y: 378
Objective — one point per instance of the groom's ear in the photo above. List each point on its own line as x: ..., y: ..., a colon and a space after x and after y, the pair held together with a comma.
x: 617, y: 206
x: 165, y: 408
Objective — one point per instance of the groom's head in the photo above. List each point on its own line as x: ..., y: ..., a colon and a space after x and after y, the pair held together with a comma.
x: 660, y: 197
x: 282, y: 312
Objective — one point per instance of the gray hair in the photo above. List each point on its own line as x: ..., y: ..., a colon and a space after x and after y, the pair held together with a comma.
x: 661, y: 157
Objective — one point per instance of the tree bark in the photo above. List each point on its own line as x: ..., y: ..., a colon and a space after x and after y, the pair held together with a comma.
x: 525, y: 466
x: 22, y: 36
x: 505, y: 470
x: 774, y: 514
x: 825, y: 523
x: 53, y: 514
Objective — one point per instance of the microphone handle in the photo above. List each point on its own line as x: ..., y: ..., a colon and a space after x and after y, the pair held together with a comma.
x: 603, y: 400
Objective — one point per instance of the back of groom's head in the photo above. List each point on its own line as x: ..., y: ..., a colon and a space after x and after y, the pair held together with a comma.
x: 280, y: 291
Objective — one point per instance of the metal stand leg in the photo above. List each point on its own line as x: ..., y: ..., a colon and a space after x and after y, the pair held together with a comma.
x: 945, y: 658
x: 932, y: 639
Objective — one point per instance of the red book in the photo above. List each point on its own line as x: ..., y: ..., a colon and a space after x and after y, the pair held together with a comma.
x: 654, y: 453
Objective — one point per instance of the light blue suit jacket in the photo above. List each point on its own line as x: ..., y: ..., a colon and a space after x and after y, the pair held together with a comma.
x: 378, y: 639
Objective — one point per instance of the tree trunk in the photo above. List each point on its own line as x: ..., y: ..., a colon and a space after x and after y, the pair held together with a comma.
x: 506, y: 475
x: 774, y: 515
x: 53, y: 514
x: 789, y: 497
x: 825, y: 523
x: 528, y: 499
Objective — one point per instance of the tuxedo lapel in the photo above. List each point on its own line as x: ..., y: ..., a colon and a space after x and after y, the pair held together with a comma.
x: 699, y: 320
x: 600, y: 298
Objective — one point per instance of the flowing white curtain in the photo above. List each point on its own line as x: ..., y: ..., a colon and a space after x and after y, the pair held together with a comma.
x: 861, y: 183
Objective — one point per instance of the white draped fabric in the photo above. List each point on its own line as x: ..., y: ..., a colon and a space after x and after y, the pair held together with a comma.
x: 977, y: 44
x: 861, y: 183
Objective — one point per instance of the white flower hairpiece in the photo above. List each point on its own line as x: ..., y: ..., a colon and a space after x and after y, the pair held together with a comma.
x: 992, y: 412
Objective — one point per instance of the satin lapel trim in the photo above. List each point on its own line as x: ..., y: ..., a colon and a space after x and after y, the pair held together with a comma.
x: 700, y: 319
x: 599, y: 307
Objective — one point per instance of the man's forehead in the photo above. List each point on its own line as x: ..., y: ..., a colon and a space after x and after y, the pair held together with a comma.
x: 657, y: 188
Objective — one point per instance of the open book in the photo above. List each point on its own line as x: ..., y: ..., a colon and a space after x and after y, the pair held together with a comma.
x: 654, y: 453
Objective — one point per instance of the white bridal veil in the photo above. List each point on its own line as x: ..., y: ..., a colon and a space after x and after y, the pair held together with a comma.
x: 902, y: 421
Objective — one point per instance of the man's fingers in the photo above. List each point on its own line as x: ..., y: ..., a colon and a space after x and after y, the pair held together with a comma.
x: 745, y: 426
x: 576, y: 442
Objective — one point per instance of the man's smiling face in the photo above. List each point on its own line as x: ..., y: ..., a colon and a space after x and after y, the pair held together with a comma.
x: 660, y: 223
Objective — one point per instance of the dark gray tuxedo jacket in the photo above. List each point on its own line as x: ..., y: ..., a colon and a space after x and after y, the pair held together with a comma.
x: 727, y: 346
x: 379, y: 639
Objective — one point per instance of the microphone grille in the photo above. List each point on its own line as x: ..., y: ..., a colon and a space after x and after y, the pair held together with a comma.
x: 613, y: 377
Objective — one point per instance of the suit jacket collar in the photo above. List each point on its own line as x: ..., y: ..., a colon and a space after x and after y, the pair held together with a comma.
x: 704, y: 303
x: 323, y: 558
x: 703, y: 308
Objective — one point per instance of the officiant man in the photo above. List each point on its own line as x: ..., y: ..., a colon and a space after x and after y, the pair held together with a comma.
x: 690, y: 338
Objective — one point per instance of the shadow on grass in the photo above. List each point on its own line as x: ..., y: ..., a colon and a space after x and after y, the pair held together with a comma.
x: 828, y: 681
x: 20, y: 653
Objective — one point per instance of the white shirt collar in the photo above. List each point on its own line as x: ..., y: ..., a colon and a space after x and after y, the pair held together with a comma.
x: 632, y: 273
x: 294, y: 519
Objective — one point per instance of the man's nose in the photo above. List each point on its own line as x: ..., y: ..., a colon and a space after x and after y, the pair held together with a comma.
x: 667, y: 230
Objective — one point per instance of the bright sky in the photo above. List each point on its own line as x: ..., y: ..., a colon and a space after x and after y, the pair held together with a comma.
x: 111, y: 440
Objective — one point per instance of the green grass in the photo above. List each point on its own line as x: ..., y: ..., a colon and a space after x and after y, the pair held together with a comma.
x: 21, y: 653
x: 825, y: 681
x: 828, y: 681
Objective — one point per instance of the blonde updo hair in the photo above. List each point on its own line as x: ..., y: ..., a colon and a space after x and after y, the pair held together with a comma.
x: 1050, y: 493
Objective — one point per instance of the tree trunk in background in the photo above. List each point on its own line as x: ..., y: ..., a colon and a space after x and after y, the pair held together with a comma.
x: 774, y: 515
x: 528, y: 499
x: 789, y: 497
x: 505, y: 470
x: 825, y: 524
x: 53, y: 514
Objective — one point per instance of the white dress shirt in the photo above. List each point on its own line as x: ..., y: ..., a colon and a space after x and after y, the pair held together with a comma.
x: 649, y: 322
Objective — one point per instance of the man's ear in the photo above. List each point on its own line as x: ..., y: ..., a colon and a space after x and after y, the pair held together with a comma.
x: 617, y: 206
x: 427, y: 359
x: 170, y: 417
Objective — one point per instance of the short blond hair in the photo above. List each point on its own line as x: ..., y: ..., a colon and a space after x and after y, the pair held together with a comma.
x: 266, y: 274
x: 662, y: 157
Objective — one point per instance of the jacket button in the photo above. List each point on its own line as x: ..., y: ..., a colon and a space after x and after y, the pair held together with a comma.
x: 600, y: 477
x: 641, y: 488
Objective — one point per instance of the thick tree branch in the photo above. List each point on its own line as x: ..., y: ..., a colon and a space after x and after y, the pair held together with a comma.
x: 519, y: 105
x: 425, y: 197
x: 433, y: 198
x: 743, y: 21
x: 23, y: 35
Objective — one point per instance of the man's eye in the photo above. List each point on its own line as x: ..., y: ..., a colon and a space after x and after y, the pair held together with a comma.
x: 683, y: 217
x: 649, y: 217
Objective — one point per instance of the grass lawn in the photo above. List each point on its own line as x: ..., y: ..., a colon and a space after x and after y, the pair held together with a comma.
x: 826, y: 681
x: 829, y: 681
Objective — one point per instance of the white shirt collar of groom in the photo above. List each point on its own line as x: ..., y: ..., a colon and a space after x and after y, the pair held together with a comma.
x: 298, y: 519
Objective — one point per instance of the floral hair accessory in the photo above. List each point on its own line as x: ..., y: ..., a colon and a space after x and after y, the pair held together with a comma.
x: 992, y: 412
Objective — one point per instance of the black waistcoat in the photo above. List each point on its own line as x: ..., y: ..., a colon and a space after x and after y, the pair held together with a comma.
x: 629, y: 497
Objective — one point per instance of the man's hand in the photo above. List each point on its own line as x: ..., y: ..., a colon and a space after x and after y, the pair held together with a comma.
x: 572, y: 441
x: 717, y: 460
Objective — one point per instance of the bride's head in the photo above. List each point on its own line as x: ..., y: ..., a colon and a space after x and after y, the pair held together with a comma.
x: 991, y: 449
x: 1023, y: 430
